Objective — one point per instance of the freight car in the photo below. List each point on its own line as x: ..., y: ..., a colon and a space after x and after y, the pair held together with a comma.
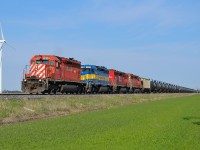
x: 146, y: 85
x: 51, y: 74
x: 155, y: 86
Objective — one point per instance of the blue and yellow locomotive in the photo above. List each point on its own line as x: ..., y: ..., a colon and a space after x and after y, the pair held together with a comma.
x: 96, y: 78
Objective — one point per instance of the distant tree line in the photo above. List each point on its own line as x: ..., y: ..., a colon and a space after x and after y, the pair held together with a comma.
x: 14, y: 91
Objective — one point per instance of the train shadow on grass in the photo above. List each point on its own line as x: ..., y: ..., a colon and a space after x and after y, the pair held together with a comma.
x: 193, y: 118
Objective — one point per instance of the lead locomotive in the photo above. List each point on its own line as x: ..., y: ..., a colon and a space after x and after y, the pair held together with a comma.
x: 51, y: 74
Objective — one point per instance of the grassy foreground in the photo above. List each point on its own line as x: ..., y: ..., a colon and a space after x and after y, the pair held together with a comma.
x: 27, y: 109
x: 169, y: 124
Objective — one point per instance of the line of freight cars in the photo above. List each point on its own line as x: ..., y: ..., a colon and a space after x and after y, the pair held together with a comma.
x: 53, y: 74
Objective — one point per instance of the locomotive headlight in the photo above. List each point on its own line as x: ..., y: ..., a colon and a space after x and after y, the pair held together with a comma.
x: 24, y: 80
x: 40, y: 80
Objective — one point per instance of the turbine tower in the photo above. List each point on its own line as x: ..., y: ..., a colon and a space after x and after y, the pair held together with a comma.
x: 2, y: 41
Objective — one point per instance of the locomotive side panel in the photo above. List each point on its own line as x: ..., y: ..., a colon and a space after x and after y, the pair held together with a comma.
x: 112, y: 78
x: 71, y: 71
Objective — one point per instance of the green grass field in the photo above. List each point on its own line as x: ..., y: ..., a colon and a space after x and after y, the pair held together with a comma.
x: 168, y: 124
x: 15, y: 110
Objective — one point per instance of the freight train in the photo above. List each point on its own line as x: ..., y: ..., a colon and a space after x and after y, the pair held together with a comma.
x: 49, y: 74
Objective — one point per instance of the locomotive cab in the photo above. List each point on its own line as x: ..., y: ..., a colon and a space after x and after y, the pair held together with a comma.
x: 41, y: 70
x: 39, y: 67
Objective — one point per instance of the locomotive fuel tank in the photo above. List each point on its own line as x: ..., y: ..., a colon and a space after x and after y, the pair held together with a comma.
x: 123, y: 90
x: 104, y: 89
x: 69, y: 88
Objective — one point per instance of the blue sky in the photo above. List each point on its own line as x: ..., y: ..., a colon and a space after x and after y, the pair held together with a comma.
x: 157, y: 39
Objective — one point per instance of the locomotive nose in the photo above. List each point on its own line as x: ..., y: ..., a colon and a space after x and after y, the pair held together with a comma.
x: 38, y: 70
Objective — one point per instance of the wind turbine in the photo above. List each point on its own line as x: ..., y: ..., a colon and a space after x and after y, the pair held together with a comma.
x: 2, y: 41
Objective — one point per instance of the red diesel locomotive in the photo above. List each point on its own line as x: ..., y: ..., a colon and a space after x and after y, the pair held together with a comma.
x: 51, y: 74
x: 134, y: 83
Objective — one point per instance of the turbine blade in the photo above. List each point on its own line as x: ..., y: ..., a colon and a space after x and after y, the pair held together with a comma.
x: 10, y: 45
x: 1, y: 32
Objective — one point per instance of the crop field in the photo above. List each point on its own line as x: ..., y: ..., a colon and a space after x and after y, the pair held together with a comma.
x: 171, y: 123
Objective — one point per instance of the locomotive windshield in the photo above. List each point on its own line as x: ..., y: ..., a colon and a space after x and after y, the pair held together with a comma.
x: 45, y: 62
x: 38, y: 61
x: 42, y: 62
x: 85, y: 69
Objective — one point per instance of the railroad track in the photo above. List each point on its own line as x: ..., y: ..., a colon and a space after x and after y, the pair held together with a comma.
x: 25, y: 96
x: 14, y: 94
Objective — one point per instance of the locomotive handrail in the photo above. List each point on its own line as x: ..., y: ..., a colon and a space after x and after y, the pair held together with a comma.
x: 25, y: 71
